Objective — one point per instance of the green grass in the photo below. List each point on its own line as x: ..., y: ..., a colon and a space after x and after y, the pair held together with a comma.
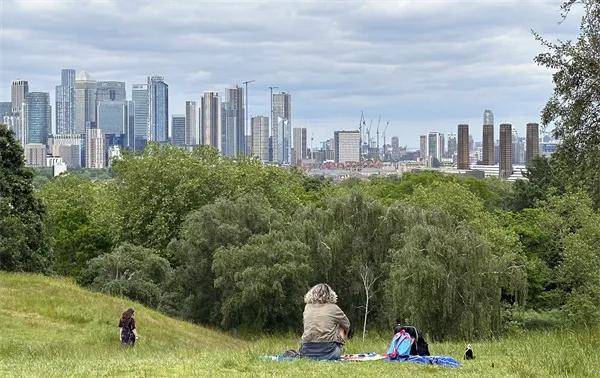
x: 50, y: 327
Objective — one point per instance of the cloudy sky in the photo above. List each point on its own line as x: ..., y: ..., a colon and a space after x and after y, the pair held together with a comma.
x: 422, y: 65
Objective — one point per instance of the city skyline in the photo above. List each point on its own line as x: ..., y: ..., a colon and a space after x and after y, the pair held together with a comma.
x: 430, y: 79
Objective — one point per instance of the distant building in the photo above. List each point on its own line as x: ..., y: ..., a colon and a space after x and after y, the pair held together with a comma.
x: 139, y: 96
x: 299, y: 145
x: 346, y: 146
x: 85, y: 102
x: 533, y: 142
x: 281, y: 127
x: 211, y: 119
x: 424, y: 151
x: 488, y: 117
x: 506, y: 166
x: 260, y: 137
x: 233, y: 127
x: 14, y: 121
x: 158, y: 116
x: 65, y: 102
x: 178, y: 129
x: 5, y: 108
x: 68, y: 147
x: 452, y: 145
x: 130, y: 125
x: 112, y: 117
x: 395, y: 143
x: 35, y: 155
x: 110, y: 91
x: 435, y: 145
x: 518, y: 148
x: 192, y: 131
x: 488, y: 145
x: 37, y: 117
x: 94, y: 149
x: 18, y: 93
x: 463, y: 147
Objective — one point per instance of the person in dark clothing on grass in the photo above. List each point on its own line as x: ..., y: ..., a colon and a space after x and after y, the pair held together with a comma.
x: 127, y: 332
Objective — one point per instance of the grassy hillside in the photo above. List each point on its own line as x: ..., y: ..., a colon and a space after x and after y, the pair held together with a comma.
x: 51, y: 327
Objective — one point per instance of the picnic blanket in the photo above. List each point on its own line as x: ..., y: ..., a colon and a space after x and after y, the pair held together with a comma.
x: 444, y: 361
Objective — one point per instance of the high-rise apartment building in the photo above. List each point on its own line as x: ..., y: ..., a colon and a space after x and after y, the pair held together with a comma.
x: 233, y: 122
x: 18, y: 92
x: 139, y: 96
x: 178, y: 129
x: 192, y: 131
x: 506, y: 167
x: 158, y: 116
x: 452, y: 145
x: 85, y: 102
x: 488, y: 157
x: 281, y: 127
x: 435, y: 145
x: 346, y: 146
x: 299, y: 145
x: 110, y: 91
x: 260, y: 137
x: 94, y: 148
x: 211, y: 119
x: 424, y: 152
x: 533, y: 142
x: 37, y: 116
x: 463, y: 147
x: 65, y: 102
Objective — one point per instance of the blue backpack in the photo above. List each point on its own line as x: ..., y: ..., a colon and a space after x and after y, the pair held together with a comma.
x: 400, y: 346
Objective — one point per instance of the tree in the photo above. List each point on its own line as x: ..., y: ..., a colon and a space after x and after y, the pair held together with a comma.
x: 574, y: 108
x: 368, y: 279
x: 23, y: 241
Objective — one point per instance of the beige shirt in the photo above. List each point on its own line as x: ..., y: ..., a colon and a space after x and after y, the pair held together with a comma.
x: 322, y: 323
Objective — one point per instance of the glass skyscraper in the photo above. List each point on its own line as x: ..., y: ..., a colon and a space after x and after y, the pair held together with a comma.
x: 38, y: 117
x: 112, y: 117
x: 139, y: 97
x: 281, y: 127
x: 110, y: 91
x: 158, y: 118
x: 233, y: 122
x: 178, y: 130
x: 85, y: 102
x: 65, y: 103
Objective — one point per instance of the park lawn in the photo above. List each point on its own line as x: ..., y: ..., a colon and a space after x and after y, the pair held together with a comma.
x: 50, y: 327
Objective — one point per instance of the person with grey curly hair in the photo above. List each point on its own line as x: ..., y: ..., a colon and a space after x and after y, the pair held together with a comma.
x: 325, y: 325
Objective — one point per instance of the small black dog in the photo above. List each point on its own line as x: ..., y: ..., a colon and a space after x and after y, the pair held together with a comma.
x: 469, y: 353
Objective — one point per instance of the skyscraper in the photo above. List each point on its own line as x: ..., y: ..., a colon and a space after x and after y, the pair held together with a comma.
x: 488, y: 138
x: 233, y: 122
x: 112, y: 117
x: 14, y: 121
x: 5, y: 108
x: 139, y: 96
x: 18, y: 92
x: 110, y: 91
x: 533, y: 142
x: 424, y: 152
x: 65, y: 103
x: 435, y: 143
x: 281, y: 123
x: 463, y: 146
x: 211, y: 119
x: 130, y: 126
x: 299, y: 145
x: 37, y: 117
x: 506, y: 167
x: 346, y: 146
x: 192, y: 131
x: 260, y: 137
x: 94, y: 148
x: 85, y: 102
x: 451, y: 145
x: 178, y: 122
x: 158, y: 117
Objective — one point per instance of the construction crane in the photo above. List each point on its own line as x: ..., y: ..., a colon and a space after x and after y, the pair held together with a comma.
x: 361, y: 124
x: 378, y: 122
x: 369, y: 136
x: 384, y: 131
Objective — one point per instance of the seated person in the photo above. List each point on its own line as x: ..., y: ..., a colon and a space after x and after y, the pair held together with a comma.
x: 325, y: 325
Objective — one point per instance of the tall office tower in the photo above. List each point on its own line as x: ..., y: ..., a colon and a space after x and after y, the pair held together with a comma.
x: 112, y: 117
x: 5, y: 108
x: 65, y: 102
x: 18, y: 92
x: 451, y: 145
x: 346, y: 146
x: 281, y: 123
x: 85, y: 102
x: 488, y: 117
x: 192, y: 131
x: 130, y: 125
x: 260, y: 137
x: 178, y: 129
x: 211, y: 119
x: 506, y: 167
x: 233, y: 122
x: 463, y: 147
x: 35, y: 154
x: 139, y: 96
x: 533, y: 142
x: 94, y: 148
x: 110, y: 91
x: 14, y: 121
x: 158, y: 117
x: 37, y: 117
x: 424, y: 152
x: 299, y: 145
x: 435, y: 144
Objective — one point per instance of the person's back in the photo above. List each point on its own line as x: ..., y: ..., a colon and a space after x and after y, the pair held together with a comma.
x: 325, y: 325
x: 127, y: 331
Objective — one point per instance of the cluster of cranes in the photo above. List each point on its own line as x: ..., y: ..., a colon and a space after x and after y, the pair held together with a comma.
x: 372, y: 149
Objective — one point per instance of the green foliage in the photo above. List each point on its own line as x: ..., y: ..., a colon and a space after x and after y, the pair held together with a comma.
x: 23, y: 242
x: 135, y: 272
